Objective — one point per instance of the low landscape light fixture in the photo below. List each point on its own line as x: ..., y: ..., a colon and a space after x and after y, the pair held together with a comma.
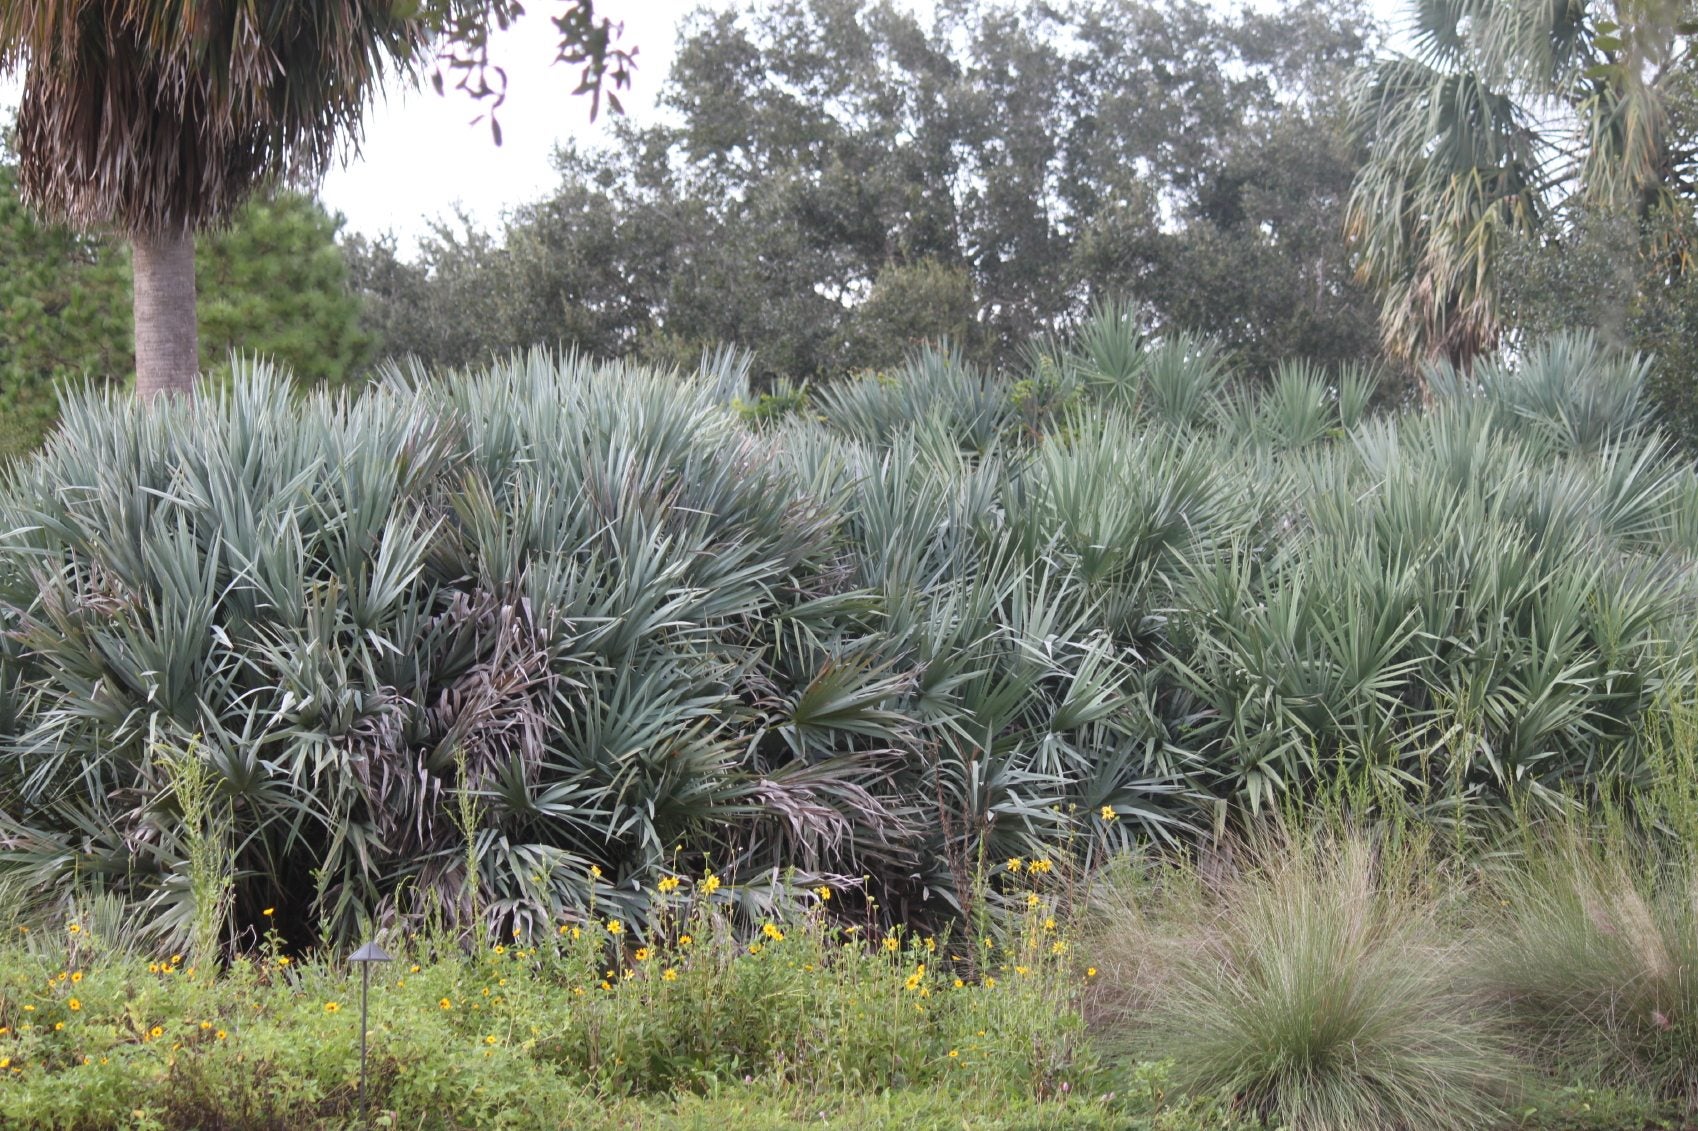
x: 365, y: 956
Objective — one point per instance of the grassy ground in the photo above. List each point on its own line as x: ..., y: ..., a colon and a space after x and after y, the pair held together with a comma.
x: 805, y: 1025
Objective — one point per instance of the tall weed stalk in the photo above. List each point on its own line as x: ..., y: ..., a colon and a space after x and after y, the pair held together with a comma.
x: 206, y: 837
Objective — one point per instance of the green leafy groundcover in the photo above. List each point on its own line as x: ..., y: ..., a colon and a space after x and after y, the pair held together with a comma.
x: 586, y: 1026
x: 808, y: 1027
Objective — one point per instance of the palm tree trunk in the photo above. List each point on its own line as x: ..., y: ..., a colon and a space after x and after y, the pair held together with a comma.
x: 167, y: 337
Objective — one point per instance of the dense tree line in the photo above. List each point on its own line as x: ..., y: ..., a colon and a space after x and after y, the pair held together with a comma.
x: 837, y: 181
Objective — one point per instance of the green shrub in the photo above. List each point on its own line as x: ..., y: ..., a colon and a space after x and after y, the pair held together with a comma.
x: 1312, y: 980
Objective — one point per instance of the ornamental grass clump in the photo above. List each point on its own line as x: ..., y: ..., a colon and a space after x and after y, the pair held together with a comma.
x: 1311, y: 980
x: 1596, y: 957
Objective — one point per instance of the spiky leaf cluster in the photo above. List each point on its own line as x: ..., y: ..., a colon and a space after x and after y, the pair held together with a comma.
x: 506, y: 645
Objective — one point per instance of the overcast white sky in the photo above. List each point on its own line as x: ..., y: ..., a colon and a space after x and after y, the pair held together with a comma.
x: 422, y: 158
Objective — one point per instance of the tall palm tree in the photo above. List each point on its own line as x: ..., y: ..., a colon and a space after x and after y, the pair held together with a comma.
x: 157, y: 117
x: 1506, y: 110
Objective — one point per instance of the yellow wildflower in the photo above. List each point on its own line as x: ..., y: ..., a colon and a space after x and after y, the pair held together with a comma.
x: 489, y: 1040
x: 499, y: 949
x: 667, y: 885
x: 669, y: 975
x: 754, y: 948
x: 1014, y: 864
x: 72, y: 928
x: 1090, y: 971
x: 221, y: 1034
x: 642, y: 954
x: 74, y: 1004
x: 595, y: 871
x: 269, y: 912
x: 615, y: 927
x: 1108, y: 814
x: 990, y: 983
x: 685, y: 940
x: 772, y: 932
x: 76, y: 977
x: 1049, y: 924
x: 205, y: 1025
x: 1031, y: 899
x: 709, y: 884
x: 156, y: 1032
x: 959, y: 984
x: 283, y: 960
x: 1040, y: 866
x: 332, y: 1007
x: 1058, y: 947
x: 891, y: 942
x: 445, y: 1004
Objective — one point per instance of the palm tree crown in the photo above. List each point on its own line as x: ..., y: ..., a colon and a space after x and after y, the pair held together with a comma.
x: 157, y: 117
x: 1505, y: 110
x: 161, y: 115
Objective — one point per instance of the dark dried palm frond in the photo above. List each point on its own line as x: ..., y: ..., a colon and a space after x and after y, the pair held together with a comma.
x: 159, y: 116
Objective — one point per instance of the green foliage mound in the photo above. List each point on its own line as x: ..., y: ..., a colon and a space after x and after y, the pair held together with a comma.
x: 447, y: 645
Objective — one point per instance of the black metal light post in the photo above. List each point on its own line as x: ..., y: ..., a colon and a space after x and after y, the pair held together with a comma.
x: 365, y: 956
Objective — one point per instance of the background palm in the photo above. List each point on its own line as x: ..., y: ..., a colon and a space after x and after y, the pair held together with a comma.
x: 1507, y: 111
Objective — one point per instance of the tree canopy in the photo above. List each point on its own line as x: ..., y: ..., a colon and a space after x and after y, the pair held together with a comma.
x: 838, y: 181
